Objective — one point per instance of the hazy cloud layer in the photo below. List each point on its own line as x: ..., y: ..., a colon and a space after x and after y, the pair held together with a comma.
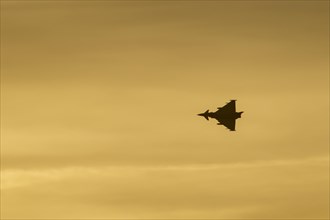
x: 254, y: 190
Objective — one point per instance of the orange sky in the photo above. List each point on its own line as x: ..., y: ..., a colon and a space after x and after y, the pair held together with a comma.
x: 99, y: 103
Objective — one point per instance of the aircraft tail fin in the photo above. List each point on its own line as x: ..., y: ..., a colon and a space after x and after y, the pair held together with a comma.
x: 239, y: 114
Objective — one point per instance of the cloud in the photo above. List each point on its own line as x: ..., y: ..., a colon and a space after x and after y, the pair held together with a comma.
x: 215, y: 191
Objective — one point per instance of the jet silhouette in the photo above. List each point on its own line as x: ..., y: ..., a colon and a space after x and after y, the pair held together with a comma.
x: 225, y: 115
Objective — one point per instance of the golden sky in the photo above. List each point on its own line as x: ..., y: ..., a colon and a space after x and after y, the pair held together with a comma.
x: 99, y: 102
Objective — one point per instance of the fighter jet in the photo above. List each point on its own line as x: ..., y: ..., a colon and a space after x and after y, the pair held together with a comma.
x: 225, y: 115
